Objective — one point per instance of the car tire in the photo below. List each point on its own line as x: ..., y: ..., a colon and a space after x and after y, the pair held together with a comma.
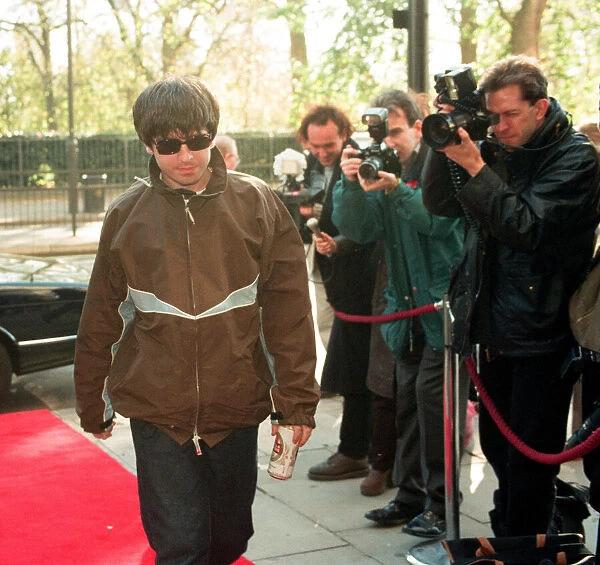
x: 6, y: 372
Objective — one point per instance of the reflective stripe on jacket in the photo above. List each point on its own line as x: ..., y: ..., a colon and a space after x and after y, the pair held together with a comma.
x: 197, y: 314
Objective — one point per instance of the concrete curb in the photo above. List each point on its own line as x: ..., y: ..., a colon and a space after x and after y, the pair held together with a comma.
x: 51, y: 240
x: 44, y: 250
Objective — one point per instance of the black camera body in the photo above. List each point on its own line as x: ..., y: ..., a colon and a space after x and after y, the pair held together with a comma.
x: 458, y: 88
x: 377, y: 156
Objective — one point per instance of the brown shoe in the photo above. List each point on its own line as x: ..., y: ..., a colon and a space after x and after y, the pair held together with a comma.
x: 338, y: 467
x: 376, y: 482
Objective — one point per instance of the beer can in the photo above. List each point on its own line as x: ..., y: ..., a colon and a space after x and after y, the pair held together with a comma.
x: 283, y: 456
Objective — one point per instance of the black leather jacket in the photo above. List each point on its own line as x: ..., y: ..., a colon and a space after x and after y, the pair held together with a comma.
x: 531, y: 213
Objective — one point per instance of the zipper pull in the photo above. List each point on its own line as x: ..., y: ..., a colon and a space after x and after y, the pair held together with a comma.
x: 196, y: 440
x: 188, y: 211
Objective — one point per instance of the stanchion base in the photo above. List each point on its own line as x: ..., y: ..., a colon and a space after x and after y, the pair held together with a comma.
x: 428, y: 553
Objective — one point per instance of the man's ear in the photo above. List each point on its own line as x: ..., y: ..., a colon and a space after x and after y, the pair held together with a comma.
x: 149, y: 150
x: 418, y: 125
x: 541, y: 107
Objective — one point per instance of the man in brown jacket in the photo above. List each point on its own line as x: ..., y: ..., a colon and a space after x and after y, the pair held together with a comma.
x: 197, y: 325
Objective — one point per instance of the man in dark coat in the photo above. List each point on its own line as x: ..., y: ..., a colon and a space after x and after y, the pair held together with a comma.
x: 531, y: 202
x: 348, y: 275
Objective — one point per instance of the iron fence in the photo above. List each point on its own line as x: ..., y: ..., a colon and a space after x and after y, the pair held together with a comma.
x: 34, y: 174
x: 26, y: 206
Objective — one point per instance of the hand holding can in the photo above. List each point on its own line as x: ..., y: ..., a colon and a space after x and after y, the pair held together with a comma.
x: 283, y: 456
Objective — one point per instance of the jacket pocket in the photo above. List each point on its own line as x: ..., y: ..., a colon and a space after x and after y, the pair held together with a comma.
x: 527, y: 308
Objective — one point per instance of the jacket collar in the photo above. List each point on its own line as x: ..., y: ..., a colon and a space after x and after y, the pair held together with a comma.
x: 414, y: 166
x: 556, y: 123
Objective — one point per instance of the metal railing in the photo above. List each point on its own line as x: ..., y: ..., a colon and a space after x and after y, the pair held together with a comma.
x: 26, y: 206
x: 34, y: 174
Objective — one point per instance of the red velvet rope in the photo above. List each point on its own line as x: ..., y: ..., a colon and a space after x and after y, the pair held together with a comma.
x: 383, y: 318
x: 585, y: 447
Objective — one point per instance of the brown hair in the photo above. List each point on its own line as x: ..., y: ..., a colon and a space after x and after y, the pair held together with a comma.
x: 398, y: 99
x: 320, y: 115
x: 521, y: 70
x: 175, y: 104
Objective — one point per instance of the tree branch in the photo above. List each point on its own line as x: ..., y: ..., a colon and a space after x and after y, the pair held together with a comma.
x: 503, y: 13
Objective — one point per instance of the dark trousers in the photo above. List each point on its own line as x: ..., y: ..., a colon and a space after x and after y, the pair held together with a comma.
x: 419, y: 471
x: 196, y: 509
x: 383, y: 436
x: 355, y: 429
x: 534, y: 401
x: 590, y: 397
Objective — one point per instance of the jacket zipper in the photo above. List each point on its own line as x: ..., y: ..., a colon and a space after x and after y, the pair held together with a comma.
x: 189, y: 218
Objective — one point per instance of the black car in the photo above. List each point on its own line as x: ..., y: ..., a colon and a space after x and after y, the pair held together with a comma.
x: 40, y: 306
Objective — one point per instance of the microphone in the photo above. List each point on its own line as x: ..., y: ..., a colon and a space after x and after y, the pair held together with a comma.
x: 313, y: 225
x: 587, y: 429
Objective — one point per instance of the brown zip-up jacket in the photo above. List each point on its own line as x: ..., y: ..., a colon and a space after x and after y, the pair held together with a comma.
x: 197, y: 317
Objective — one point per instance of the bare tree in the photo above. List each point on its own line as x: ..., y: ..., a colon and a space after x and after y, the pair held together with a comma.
x: 35, y: 36
x: 468, y: 30
x: 177, y: 20
x: 132, y: 36
x: 296, y: 19
x: 525, y: 24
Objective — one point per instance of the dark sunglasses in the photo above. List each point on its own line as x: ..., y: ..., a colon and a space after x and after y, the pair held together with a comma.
x: 172, y: 146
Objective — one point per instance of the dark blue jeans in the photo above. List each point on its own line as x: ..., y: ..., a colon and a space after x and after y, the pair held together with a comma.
x: 196, y: 509
x: 534, y: 400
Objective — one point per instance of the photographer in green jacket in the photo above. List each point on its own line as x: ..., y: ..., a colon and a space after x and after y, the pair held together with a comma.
x: 420, y: 250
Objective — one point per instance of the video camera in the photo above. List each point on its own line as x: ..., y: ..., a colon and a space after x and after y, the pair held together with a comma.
x: 378, y: 156
x: 458, y: 88
x: 289, y: 166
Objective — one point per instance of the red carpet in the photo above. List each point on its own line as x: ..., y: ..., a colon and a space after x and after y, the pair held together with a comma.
x: 65, y: 501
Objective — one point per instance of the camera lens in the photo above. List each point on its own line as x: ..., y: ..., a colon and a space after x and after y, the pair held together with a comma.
x: 440, y: 130
x: 370, y: 167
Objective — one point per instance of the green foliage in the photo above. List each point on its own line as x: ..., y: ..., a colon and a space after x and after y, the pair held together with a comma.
x: 240, y: 48
x: 367, y: 54
x: 44, y: 178
x: 21, y: 101
x: 570, y: 44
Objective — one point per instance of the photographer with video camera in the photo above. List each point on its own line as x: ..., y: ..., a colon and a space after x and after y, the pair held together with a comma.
x: 348, y: 275
x: 529, y: 192
x: 373, y: 201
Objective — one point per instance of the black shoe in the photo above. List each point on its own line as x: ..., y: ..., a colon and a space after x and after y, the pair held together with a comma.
x: 428, y: 524
x: 394, y: 513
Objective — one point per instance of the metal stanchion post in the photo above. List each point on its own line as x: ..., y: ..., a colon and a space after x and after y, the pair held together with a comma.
x: 434, y: 552
x: 451, y: 428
